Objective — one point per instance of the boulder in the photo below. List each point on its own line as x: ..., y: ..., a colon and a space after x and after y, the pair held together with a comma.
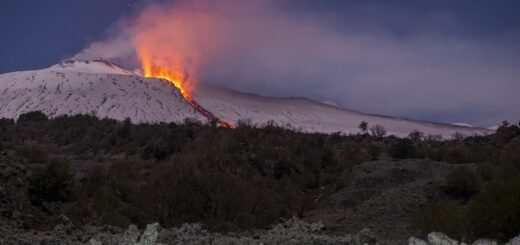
x: 514, y: 241
x: 149, y: 236
x: 438, y: 238
x: 416, y: 241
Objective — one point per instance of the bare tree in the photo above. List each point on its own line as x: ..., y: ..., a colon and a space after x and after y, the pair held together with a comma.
x: 378, y: 131
x: 363, y: 126
x: 416, y: 135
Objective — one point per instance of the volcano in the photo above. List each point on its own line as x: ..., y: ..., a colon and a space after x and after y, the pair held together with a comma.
x: 107, y: 90
x: 97, y: 88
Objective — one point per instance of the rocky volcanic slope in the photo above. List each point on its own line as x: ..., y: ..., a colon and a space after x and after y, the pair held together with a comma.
x: 106, y: 90
x: 97, y: 87
x: 383, y: 196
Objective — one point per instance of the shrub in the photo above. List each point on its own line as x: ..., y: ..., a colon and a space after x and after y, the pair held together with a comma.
x: 416, y: 135
x: 402, y: 149
x: 244, y: 122
x: 485, y: 171
x: 6, y: 122
x: 374, y: 151
x: 53, y: 183
x: 378, y: 131
x: 116, y: 218
x: 33, y: 154
x: 449, y: 218
x: 363, y: 126
x: 462, y: 183
x: 159, y: 150
x: 496, y: 211
x: 33, y: 116
x: 456, y: 154
x: 505, y: 133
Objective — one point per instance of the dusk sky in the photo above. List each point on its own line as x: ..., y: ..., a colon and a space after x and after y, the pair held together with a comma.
x: 443, y: 61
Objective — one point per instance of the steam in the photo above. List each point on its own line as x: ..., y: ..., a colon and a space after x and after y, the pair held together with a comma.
x: 117, y: 46
x: 259, y: 46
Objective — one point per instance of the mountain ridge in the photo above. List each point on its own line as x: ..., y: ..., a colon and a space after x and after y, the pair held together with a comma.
x: 106, y: 89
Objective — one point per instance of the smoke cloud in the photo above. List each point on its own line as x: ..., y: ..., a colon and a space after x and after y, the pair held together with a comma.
x: 263, y: 47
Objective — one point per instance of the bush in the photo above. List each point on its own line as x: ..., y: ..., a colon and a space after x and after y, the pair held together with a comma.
x: 248, y: 177
x: 378, y: 131
x: 492, y: 213
x: 449, y: 218
x: 53, y: 183
x: 496, y: 211
x: 6, y: 122
x: 462, y: 183
x: 33, y: 116
x: 33, y: 154
x: 402, y: 149
x: 416, y: 135
x: 505, y: 133
x: 363, y: 126
x: 374, y: 151
x: 485, y: 171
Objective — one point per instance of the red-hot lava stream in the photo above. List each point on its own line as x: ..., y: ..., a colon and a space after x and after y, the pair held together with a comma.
x: 178, y: 80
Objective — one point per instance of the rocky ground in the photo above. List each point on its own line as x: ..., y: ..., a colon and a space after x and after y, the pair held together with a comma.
x: 292, y: 231
x: 383, y: 196
x: 376, y: 206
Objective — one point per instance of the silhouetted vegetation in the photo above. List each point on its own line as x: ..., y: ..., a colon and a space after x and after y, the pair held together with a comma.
x: 33, y: 116
x: 462, y: 183
x: 52, y: 183
x: 486, y: 201
x: 119, y: 173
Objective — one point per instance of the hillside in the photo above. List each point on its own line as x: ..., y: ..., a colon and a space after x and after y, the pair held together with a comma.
x: 96, y: 88
x: 307, y: 115
x: 107, y: 90
x: 108, y: 172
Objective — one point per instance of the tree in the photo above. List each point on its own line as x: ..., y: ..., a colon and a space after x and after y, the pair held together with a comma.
x: 6, y: 122
x: 378, y: 131
x: 402, y: 149
x: 457, y: 136
x: 33, y: 116
x: 54, y: 183
x: 416, y: 135
x: 363, y: 126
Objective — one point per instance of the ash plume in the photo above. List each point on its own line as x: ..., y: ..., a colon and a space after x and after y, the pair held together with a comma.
x: 355, y: 59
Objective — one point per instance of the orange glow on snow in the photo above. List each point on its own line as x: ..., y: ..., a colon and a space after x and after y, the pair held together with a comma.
x: 172, y: 71
x: 163, y: 40
x: 175, y: 76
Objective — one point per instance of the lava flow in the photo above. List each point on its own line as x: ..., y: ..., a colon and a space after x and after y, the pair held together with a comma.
x: 178, y: 79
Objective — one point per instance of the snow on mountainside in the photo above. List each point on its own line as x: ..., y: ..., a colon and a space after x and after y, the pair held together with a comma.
x: 462, y: 124
x: 92, y: 87
x: 308, y: 115
x: 107, y: 90
x: 94, y: 66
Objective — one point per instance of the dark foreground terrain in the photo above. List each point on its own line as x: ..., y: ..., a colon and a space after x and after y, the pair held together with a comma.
x: 85, y: 180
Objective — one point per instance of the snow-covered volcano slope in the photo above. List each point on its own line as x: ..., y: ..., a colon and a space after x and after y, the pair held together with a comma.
x: 107, y: 90
x: 308, y: 115
x: 92, y: 87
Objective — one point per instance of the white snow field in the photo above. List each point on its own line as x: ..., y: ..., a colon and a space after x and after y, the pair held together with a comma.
x: 98, y: 88
x: 306, y: 115
x: 107, y: 90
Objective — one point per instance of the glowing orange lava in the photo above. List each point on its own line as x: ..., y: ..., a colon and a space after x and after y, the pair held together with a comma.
x: 179, y: 80
x: 164, y: 48
x: 176, y: 77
